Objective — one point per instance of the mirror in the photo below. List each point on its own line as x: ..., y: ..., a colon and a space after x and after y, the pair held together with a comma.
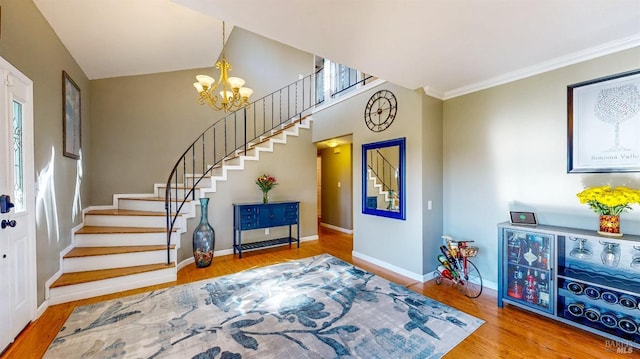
x: 383, y: 180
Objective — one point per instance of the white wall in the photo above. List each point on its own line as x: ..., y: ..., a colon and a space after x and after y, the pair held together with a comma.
x: 505, y: 148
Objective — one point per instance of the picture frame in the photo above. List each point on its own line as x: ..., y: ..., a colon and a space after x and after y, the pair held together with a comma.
x: 603, y: 124
x: 71, y: 117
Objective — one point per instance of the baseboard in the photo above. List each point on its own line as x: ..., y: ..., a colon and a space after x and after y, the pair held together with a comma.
x: 188, y: 261
x: 41, y: 309
x: 388, y: 266
x: 336, y: 228
x: 309, y: 238
x: 485, y: 283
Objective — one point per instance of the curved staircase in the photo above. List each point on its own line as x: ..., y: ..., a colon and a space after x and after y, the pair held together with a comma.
x: 133, y: 231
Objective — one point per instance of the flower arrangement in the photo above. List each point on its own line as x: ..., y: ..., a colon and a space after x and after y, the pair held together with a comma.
x: 609, y: 201
x: 266, y: 183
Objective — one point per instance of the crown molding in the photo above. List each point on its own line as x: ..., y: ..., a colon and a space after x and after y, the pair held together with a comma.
x: 574, y: 58
x: 433, y: 92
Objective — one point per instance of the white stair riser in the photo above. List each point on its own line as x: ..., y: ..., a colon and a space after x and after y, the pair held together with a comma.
x: 124, y: 239
x: 125, y: 221
x: 81, y: 264
x: 204, y: 183
x: 112, y: 285
x: 250, y: 153
x: 151, y: 206
x: 181, y: 192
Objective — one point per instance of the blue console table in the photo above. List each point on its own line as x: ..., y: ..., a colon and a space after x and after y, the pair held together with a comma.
x: 247, y: 216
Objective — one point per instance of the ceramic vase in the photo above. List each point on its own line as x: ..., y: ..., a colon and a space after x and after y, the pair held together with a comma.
x: 204, y: 237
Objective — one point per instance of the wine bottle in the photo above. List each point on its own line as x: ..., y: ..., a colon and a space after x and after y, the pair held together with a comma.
x: 453, y: 248
x: 515, y: 286
x: 531, y: 290
x: 445, y: 272
x: 543, y: 291
x: 449, y: 257
x: 443, y: 260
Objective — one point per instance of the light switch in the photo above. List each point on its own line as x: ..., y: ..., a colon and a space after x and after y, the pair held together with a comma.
x: 429, y: 205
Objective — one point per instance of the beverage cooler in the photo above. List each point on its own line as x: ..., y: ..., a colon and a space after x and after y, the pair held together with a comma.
x: 525, y: 268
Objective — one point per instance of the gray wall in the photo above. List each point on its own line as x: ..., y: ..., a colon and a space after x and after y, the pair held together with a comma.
x: 431, y: 180
x: 143, y: 123
x: 29, y: 44
x: 396, y: 242
x: 505, y: 148
x: 337, y: 208
x: 294, y: 167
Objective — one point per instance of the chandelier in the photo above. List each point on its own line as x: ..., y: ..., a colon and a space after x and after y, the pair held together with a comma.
x: 232, y: 96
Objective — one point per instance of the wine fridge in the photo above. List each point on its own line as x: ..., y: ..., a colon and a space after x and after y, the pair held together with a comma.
x: 526, y: 268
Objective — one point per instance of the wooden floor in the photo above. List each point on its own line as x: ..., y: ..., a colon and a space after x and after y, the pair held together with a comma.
x: 508, y: 332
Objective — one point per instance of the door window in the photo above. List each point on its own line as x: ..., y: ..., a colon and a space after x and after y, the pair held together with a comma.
x: 18, y: 164
x: 18, y: 185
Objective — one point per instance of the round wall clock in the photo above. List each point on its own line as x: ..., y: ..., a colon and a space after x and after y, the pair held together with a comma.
x: 380, y: 110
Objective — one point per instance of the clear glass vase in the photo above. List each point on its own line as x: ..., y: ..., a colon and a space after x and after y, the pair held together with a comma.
x: 265, y: 197
x: 204, y: 237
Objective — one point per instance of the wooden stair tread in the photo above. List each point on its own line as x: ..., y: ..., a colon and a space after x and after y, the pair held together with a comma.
x: 124, y: 212
x: 173, y: 187
x: 78, y: 252
x: 120, y: 230
x: 90, y: 276
x: 155, y: 199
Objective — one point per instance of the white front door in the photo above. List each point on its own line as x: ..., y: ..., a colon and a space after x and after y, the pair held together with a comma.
x: 18, y: 289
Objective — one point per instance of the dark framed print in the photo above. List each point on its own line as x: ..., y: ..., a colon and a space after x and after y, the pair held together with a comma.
x: 603, y: 124
x: 70, y: 117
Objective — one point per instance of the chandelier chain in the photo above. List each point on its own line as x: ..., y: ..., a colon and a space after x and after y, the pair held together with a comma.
x: 232, y: 96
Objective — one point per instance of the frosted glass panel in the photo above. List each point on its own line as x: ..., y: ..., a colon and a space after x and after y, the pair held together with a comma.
x: 18, y: 165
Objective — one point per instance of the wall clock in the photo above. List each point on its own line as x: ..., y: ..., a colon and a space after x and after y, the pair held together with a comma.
x: 380, y: 110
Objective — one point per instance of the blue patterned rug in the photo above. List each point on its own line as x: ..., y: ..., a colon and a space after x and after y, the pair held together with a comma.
x: 318, y: 307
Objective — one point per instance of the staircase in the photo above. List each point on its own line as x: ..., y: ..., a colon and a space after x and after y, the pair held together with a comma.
x: 134, y: 243
x: 133, y: 230
x: 377, y: 186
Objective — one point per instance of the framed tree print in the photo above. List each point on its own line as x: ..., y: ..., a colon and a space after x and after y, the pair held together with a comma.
x: 70, y: 117
x: 603, y: 124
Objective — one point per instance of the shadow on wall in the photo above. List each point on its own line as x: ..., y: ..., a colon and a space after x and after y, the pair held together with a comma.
x: 46, y: 206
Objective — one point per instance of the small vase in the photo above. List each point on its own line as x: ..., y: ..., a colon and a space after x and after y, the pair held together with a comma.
x: 204, y: 237
x: 265, y: 197
x: 610, y: 226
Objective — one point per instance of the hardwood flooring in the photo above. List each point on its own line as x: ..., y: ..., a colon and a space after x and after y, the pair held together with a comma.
x: 508, y: 332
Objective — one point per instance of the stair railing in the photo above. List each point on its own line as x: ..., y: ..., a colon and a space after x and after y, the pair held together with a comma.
x: 233, y: 135
x: 384, y: 171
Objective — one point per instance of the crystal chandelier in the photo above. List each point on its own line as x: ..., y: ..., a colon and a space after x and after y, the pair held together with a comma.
x: 232, y: 95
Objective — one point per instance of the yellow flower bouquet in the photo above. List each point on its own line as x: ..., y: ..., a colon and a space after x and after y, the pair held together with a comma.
x: 609, y: 201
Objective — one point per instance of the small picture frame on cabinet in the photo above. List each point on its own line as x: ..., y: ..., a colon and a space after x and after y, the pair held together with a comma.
x: 523, y: 218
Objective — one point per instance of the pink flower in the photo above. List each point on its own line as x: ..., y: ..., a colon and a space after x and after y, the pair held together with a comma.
x: 266, y: 182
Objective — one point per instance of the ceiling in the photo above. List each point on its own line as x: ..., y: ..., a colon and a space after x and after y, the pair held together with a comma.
x: 448, y: 47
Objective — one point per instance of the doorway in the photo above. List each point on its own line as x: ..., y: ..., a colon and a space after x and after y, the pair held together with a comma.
x: 335, y: 179
x: 18, y: 288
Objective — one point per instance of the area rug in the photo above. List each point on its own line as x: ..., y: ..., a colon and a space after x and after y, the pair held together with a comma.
x: 318, y: 307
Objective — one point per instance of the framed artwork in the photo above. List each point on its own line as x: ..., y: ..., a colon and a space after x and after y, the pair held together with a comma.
x: 603, y: 124
x: 70, y: 117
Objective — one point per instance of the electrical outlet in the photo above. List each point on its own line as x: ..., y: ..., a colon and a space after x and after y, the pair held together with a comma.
x: 266, y: 231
